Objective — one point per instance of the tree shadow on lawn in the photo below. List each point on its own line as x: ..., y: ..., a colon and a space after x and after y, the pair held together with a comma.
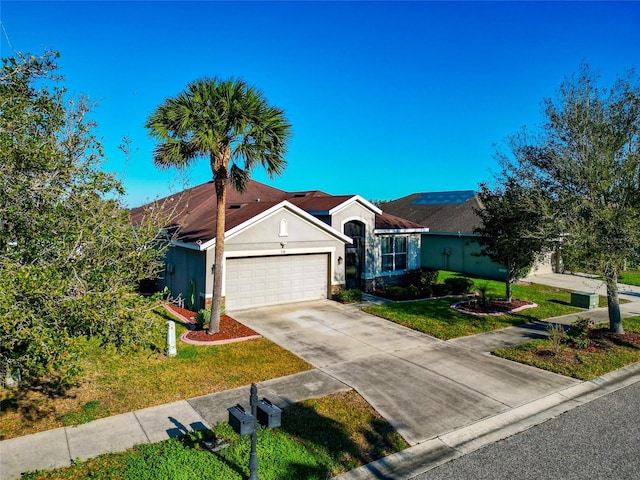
x: 322, y: 448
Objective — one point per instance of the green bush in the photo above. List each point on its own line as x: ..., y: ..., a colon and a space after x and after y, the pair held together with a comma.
x: 441, y: 289
x: 459, y: 284
x: 397, y: 293
x: 349, y: 296
x: 578, y: 333
x: 428, y: 277
x: 413, y: 291
x: 202, y: 318
x: 426, y: 291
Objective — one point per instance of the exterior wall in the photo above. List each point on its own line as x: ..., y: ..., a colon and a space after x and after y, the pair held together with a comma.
x: 357, y: 211
x: 267, y: 237
x: 183, y: 266
x: 462, y: 256
x: 398, y: 277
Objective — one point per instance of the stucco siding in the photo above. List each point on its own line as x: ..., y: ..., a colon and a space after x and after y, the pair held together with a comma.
x: 458, y: 254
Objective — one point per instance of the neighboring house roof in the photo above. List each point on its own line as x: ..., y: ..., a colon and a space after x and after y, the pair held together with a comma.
x: 194, y: 209
x: 442, y: 212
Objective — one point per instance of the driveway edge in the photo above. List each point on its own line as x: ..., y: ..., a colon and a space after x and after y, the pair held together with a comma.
x: 434, y: 452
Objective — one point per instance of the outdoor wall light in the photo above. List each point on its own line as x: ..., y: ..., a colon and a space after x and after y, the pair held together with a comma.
x: 339, y: 260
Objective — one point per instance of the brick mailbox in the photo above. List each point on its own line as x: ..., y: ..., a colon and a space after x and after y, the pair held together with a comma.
x: 587, y: 300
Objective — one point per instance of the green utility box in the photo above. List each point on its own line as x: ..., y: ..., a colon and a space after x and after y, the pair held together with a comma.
x: 587, y: 300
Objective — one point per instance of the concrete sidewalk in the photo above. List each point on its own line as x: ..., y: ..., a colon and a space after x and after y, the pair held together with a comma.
x: 62, y: 446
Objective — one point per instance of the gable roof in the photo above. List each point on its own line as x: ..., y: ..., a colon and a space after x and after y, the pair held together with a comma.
x: 442, y: 212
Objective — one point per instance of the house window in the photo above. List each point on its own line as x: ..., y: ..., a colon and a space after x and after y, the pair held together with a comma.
x: 394, y: 253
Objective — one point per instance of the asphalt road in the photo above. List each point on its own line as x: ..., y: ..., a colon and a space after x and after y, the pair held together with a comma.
x: 599, y: 440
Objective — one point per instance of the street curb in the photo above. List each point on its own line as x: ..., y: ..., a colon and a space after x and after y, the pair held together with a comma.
x: 436, y: 451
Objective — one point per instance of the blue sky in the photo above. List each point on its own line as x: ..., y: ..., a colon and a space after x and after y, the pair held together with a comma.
x: 385, y: 98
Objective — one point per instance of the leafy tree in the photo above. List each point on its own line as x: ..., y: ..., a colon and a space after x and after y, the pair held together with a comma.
x: 70, y: 260
x: 586, y: 159
x: 230, y: 124
x: 515, y: 228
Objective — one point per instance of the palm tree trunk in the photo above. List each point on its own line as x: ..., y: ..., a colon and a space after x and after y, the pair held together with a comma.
x: 613, y: 302
x: 220, y: 180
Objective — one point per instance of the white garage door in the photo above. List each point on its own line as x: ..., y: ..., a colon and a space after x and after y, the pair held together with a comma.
x: 259, y: 281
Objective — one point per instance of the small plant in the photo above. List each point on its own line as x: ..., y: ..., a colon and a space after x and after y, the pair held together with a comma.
x: 578, y: 333
x: 482, y: 290
x: 396, y: 293
x: 202, y: 318
x: 557, y: 337
x: 349, y: 296
x: 459, y: 284
x: 428, y: 277
x: 413, y: 291
x: 441, y: 289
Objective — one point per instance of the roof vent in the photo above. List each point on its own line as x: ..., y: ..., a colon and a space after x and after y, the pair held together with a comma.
x: 235, y: 206
x: 300, y: 195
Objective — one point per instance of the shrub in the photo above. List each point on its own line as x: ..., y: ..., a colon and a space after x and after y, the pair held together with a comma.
x: 557, y: 337
x: 413, y: 291
x: 459, y: 284
x: 578, y: 333
x: 202, y: 318
x: 396, y: 293
x: 482, y: 290
x: 349, y: 296
x: 426, y: 291
x: 441, y: 289
x: 428, y: 277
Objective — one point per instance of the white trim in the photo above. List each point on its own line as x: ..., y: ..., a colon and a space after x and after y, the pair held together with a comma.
x: 390, y: 231
x: 354, y: 199
x: 190, y: 246
x: 454, y: 234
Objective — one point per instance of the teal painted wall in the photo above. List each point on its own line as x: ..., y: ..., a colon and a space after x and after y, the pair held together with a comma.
x: 463, y: 256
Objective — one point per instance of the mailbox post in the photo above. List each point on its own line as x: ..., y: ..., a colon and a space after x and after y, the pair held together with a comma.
x: 243, y: 423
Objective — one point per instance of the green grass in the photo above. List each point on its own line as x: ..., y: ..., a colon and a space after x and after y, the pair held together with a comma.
x: 584, y: 364
x: 319, y: 438
x: 630, y: 277
x: 114, y: 383
x: 437, y: 318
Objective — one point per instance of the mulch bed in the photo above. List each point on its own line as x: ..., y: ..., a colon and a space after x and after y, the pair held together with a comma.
x: 230, y: 329
x: 492, y: 307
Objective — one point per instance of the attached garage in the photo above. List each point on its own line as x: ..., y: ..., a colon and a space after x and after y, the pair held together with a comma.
x: 272, y: 280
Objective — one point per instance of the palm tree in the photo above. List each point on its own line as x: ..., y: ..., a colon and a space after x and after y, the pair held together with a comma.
x: 231, y: 124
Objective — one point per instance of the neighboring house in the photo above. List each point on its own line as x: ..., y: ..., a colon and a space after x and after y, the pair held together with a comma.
x: 284, y: 247
x: 450, y: 243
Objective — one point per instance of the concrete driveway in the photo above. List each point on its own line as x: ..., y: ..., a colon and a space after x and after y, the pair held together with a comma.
x: 423, y: 386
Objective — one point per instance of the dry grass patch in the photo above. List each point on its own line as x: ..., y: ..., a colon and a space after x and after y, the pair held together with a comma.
x: 113, y: 383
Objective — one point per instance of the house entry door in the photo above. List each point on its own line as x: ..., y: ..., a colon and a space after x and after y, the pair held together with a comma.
x: 354, y: 254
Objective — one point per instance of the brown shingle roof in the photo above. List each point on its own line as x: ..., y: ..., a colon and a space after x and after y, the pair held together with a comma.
x: 452, y: 217
x: 386, y: 221
x: 194, y: 209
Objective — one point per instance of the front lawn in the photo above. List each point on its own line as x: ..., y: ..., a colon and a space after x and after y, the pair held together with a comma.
x: 319, y: 438
x: 630, y: 277
x: 609, y: 352
x: 113, y: 384
x: 438, y: 319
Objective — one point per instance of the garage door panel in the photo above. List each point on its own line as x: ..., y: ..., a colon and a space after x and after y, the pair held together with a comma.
x: 258, y: 281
